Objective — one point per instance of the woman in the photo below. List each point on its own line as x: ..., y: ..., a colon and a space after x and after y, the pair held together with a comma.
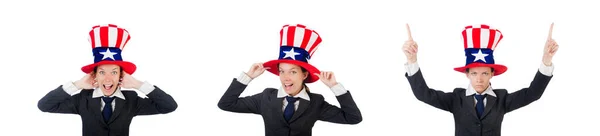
x: 104, y: 108
x: 292, y: 109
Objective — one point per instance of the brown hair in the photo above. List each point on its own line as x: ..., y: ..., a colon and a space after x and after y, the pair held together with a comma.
x: 304, y: 82
x: 467, y: 71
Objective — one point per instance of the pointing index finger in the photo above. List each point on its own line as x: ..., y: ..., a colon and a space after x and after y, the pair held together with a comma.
x: 550, y: 31
x: 409, y: 34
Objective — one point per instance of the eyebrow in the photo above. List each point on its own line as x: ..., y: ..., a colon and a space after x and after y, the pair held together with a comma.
x: 103, y: 69
x: 289, y: 69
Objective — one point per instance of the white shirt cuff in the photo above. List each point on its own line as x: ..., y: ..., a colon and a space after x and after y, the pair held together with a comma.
x: 244, y: 78
x: 546, y: 70
x: 338, y: 90
x: 146, y: 88
x: 411, y: 69
x: 70, y: 88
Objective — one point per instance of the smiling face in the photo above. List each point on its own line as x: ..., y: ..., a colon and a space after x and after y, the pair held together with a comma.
x: 480, y: 77
x: 108, y: 76
x: 292, y: 78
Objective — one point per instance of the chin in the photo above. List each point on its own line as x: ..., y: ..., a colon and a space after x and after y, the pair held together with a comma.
x: 289, y: 92
x: 108, y: 92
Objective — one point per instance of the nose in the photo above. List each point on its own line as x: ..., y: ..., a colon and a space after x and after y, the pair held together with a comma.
x: 284, y: 77
x: 108, y: 77
x: 479, y: 79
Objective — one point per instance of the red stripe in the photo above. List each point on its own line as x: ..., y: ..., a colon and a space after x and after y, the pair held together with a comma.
x: 306, y: 38
x: 491, y: 39
x: 290, y: 35
x: 485, y: 26
x: 119, y: 37
x: 104, y: 36
x: 128, y: 37
x: 476, y: 37
x: 92, y: 38
x: 281, y: 36
x: 314, y: 45
x: 498, y: 40
x: 464, y: 34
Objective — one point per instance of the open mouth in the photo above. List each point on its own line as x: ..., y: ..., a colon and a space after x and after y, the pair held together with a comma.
x: 288, y: 86
x: 107, y: 87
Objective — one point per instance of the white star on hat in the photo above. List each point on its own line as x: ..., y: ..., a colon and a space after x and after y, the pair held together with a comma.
x: 479, y: 56
x: 291, y: 54
x: 108, y: 54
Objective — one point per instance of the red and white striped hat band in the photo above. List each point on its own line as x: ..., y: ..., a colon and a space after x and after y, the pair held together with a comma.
x: 108, y: 36
x: 481, y: 37
x: 300, y: 37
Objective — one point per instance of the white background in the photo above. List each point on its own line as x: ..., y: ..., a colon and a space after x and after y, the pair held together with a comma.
x: 194, y: 50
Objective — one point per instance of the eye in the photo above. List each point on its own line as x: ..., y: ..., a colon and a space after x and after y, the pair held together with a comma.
x: 114, y: 72
x: 485, y: 73
x: 101, y: 72
x: 280, y: 72
x: 294, y: 72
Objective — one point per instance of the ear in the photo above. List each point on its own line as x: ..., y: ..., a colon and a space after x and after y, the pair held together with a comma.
x: 305, y: 75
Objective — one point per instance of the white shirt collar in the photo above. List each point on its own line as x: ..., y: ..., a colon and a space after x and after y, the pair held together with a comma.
x: 488, y: 91
x: 281, y: 93
x: 98, y: 93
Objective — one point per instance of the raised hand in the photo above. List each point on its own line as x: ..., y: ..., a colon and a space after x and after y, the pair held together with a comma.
x: 256, y: 70
x: 550, y: 48
x: 327, y: 77
x: 129, y: 82
x: 410, y: 48
x: 86, y: 82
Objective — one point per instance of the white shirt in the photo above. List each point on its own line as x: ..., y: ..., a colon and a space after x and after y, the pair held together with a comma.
x: 71, y: 89
x: 337, y: 90
x: 302, y: 95
x: 489, y: 91
x: 412, y: 69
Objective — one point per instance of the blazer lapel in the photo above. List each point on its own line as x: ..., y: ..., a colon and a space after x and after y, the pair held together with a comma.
x: 277, y: 105
x: 94, y: 104
x: 118, y: 108
x: 470, y: 105
x: 491, y: 102
x: 304, y: 104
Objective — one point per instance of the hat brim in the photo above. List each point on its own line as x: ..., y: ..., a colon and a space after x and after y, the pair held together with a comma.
x: 498, y: 69
x: 271, y: 66
x: 127, y: 67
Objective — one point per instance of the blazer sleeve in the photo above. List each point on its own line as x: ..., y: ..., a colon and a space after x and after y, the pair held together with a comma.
x: 435, y: 98
x: 347, y: 114
x: 231, y: 100
x: 158, y: 102
x: 59, y: 101
x: 528, y: 95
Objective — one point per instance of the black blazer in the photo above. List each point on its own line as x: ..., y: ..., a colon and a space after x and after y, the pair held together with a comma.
x: 270, y: 107
x: 466, y: 122
x: 58, y: 101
